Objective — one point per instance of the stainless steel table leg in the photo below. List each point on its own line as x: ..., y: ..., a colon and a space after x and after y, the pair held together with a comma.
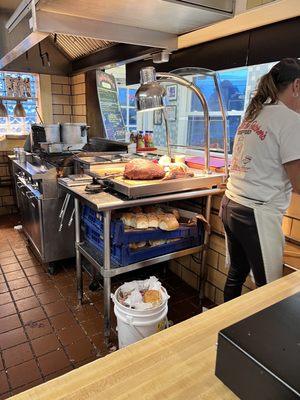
x: 78, y: 255
x: 203, y: 273
x: 107, y: 280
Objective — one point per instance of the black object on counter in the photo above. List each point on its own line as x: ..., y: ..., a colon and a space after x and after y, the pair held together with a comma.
x: 259, y: 357
x: 102, y: 144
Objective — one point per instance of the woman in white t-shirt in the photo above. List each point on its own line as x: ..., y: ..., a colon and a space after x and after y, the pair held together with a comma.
x: 265, y: 169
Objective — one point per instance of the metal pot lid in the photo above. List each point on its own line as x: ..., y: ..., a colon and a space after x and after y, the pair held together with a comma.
x: 73, y: 124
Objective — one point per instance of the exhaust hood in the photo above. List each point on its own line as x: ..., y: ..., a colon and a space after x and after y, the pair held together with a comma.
x: 81, y: 27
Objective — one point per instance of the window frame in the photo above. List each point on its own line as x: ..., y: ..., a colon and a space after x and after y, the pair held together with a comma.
x: 8, y: 131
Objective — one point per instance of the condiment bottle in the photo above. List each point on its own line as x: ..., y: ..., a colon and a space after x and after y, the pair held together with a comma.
x: 140, y: 141
x: 146, y: 139
x: 151, y: 144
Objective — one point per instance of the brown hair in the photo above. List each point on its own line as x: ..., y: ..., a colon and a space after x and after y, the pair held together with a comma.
x: 271, y: 84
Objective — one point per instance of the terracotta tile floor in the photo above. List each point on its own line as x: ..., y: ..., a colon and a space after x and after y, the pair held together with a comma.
x: 43, y: 332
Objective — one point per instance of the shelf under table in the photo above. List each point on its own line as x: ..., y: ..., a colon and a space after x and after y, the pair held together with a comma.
x: 95, y: 257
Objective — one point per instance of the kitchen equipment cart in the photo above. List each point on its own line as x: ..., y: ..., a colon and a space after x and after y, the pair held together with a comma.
x: 106, y: 202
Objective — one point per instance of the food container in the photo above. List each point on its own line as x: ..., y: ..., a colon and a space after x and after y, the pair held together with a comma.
x: 74, y: 133
x: 52, y: 132
x: 52, y: 147
x: 22, y: 155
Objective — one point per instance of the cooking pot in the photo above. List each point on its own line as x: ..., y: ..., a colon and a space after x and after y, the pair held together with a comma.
x: 52, y: 132
x: 74, y: 133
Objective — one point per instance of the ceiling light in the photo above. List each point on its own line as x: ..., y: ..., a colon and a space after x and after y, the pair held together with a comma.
x: 150, y: 94
x: 19, y: 111
x: 3, y: 110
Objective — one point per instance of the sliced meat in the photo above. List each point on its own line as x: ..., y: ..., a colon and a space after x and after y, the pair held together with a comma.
x: 140, y: 169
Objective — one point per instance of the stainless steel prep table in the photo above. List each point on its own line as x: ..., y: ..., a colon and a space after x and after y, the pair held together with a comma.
x: 106, y: 202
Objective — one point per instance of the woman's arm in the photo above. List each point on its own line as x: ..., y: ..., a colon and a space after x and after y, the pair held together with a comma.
x: 293, y: 171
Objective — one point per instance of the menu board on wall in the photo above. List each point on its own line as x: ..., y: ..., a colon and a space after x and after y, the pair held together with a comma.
x: 110, y: 107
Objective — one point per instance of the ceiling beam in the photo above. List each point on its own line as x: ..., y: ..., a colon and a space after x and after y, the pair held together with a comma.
x: 119, y: 53
x: 50, y: 22
x: 26, y: 44
x: 254, y: 18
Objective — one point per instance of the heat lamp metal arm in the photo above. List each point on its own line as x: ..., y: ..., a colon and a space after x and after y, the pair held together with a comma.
x: 168, y: 77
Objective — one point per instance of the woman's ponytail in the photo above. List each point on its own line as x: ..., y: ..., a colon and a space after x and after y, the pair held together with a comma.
x: 266, y: 91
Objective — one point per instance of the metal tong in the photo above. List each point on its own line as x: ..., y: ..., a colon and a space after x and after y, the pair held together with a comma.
x: 62, y: 213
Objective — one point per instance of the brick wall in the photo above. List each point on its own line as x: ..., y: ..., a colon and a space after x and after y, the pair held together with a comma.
x: 7, y: 198
x: 188, y: 269
x: 291, y: 229
x: 78, y: 101
x: 68, y: 98
x: 61, y: 99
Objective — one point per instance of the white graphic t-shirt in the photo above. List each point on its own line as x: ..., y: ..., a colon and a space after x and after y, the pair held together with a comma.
x: 261, y: 147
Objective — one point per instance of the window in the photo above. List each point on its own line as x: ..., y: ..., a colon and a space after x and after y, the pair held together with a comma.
x: 11, y: 124
x: 186, y: 121
x: 233, y: 85
x: 127, y: 103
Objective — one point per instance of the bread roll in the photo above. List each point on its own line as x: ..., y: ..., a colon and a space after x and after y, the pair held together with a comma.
x: 173, y: 211
x: 141, y: 221
x: 159, y: 211
x: 156, y: 242
x: 136, y: 246
x: 164, y: 161
x: 152, y: 220
x: 136, y: 210
x: 128, y: 219
x: 150, y: 209
x: 168, y: 222
x: 152, y: 296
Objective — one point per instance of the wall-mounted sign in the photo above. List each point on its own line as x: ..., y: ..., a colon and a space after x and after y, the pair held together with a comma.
x: 110, y: 107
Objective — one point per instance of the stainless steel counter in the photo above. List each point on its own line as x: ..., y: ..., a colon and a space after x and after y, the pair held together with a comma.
x: 106, y: 202
x: 37, y: 172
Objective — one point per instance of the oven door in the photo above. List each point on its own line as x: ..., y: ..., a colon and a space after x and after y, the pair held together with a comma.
x: 24, y: 209
x: 34, y: 221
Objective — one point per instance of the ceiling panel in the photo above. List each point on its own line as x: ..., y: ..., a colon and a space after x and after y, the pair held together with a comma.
x: 76, y: 47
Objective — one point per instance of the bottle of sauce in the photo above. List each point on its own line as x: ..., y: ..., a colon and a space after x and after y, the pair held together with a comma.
x: 132, y: 138
x: 147, y: 139
x: 140, y: 140
x: 151, y: 144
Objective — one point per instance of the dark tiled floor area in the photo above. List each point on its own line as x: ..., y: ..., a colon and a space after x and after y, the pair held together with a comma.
x: 43, y: 331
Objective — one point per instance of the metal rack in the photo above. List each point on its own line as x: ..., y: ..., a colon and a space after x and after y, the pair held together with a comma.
x: 106, y: 202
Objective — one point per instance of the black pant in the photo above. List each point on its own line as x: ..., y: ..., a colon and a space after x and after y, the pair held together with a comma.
x: 243, y: 246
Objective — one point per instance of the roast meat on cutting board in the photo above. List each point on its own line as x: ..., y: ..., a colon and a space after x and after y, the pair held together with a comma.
x: 142, y: 169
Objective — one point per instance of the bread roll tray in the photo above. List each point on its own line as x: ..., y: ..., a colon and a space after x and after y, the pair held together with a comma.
x: 121, y: 254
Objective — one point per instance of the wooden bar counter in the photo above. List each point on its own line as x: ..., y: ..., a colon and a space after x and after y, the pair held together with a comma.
x: 177, y: 363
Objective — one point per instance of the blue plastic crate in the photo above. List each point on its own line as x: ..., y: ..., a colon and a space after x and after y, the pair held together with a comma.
x: 123, y: 255
x: 122, y: 236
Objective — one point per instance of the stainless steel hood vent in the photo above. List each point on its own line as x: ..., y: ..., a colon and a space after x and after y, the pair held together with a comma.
x: 75, y: 47
x: 149, y: 23
x: 221, y: 6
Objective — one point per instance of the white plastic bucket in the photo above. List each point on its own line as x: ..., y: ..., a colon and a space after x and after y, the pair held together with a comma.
x: 134, y: 325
